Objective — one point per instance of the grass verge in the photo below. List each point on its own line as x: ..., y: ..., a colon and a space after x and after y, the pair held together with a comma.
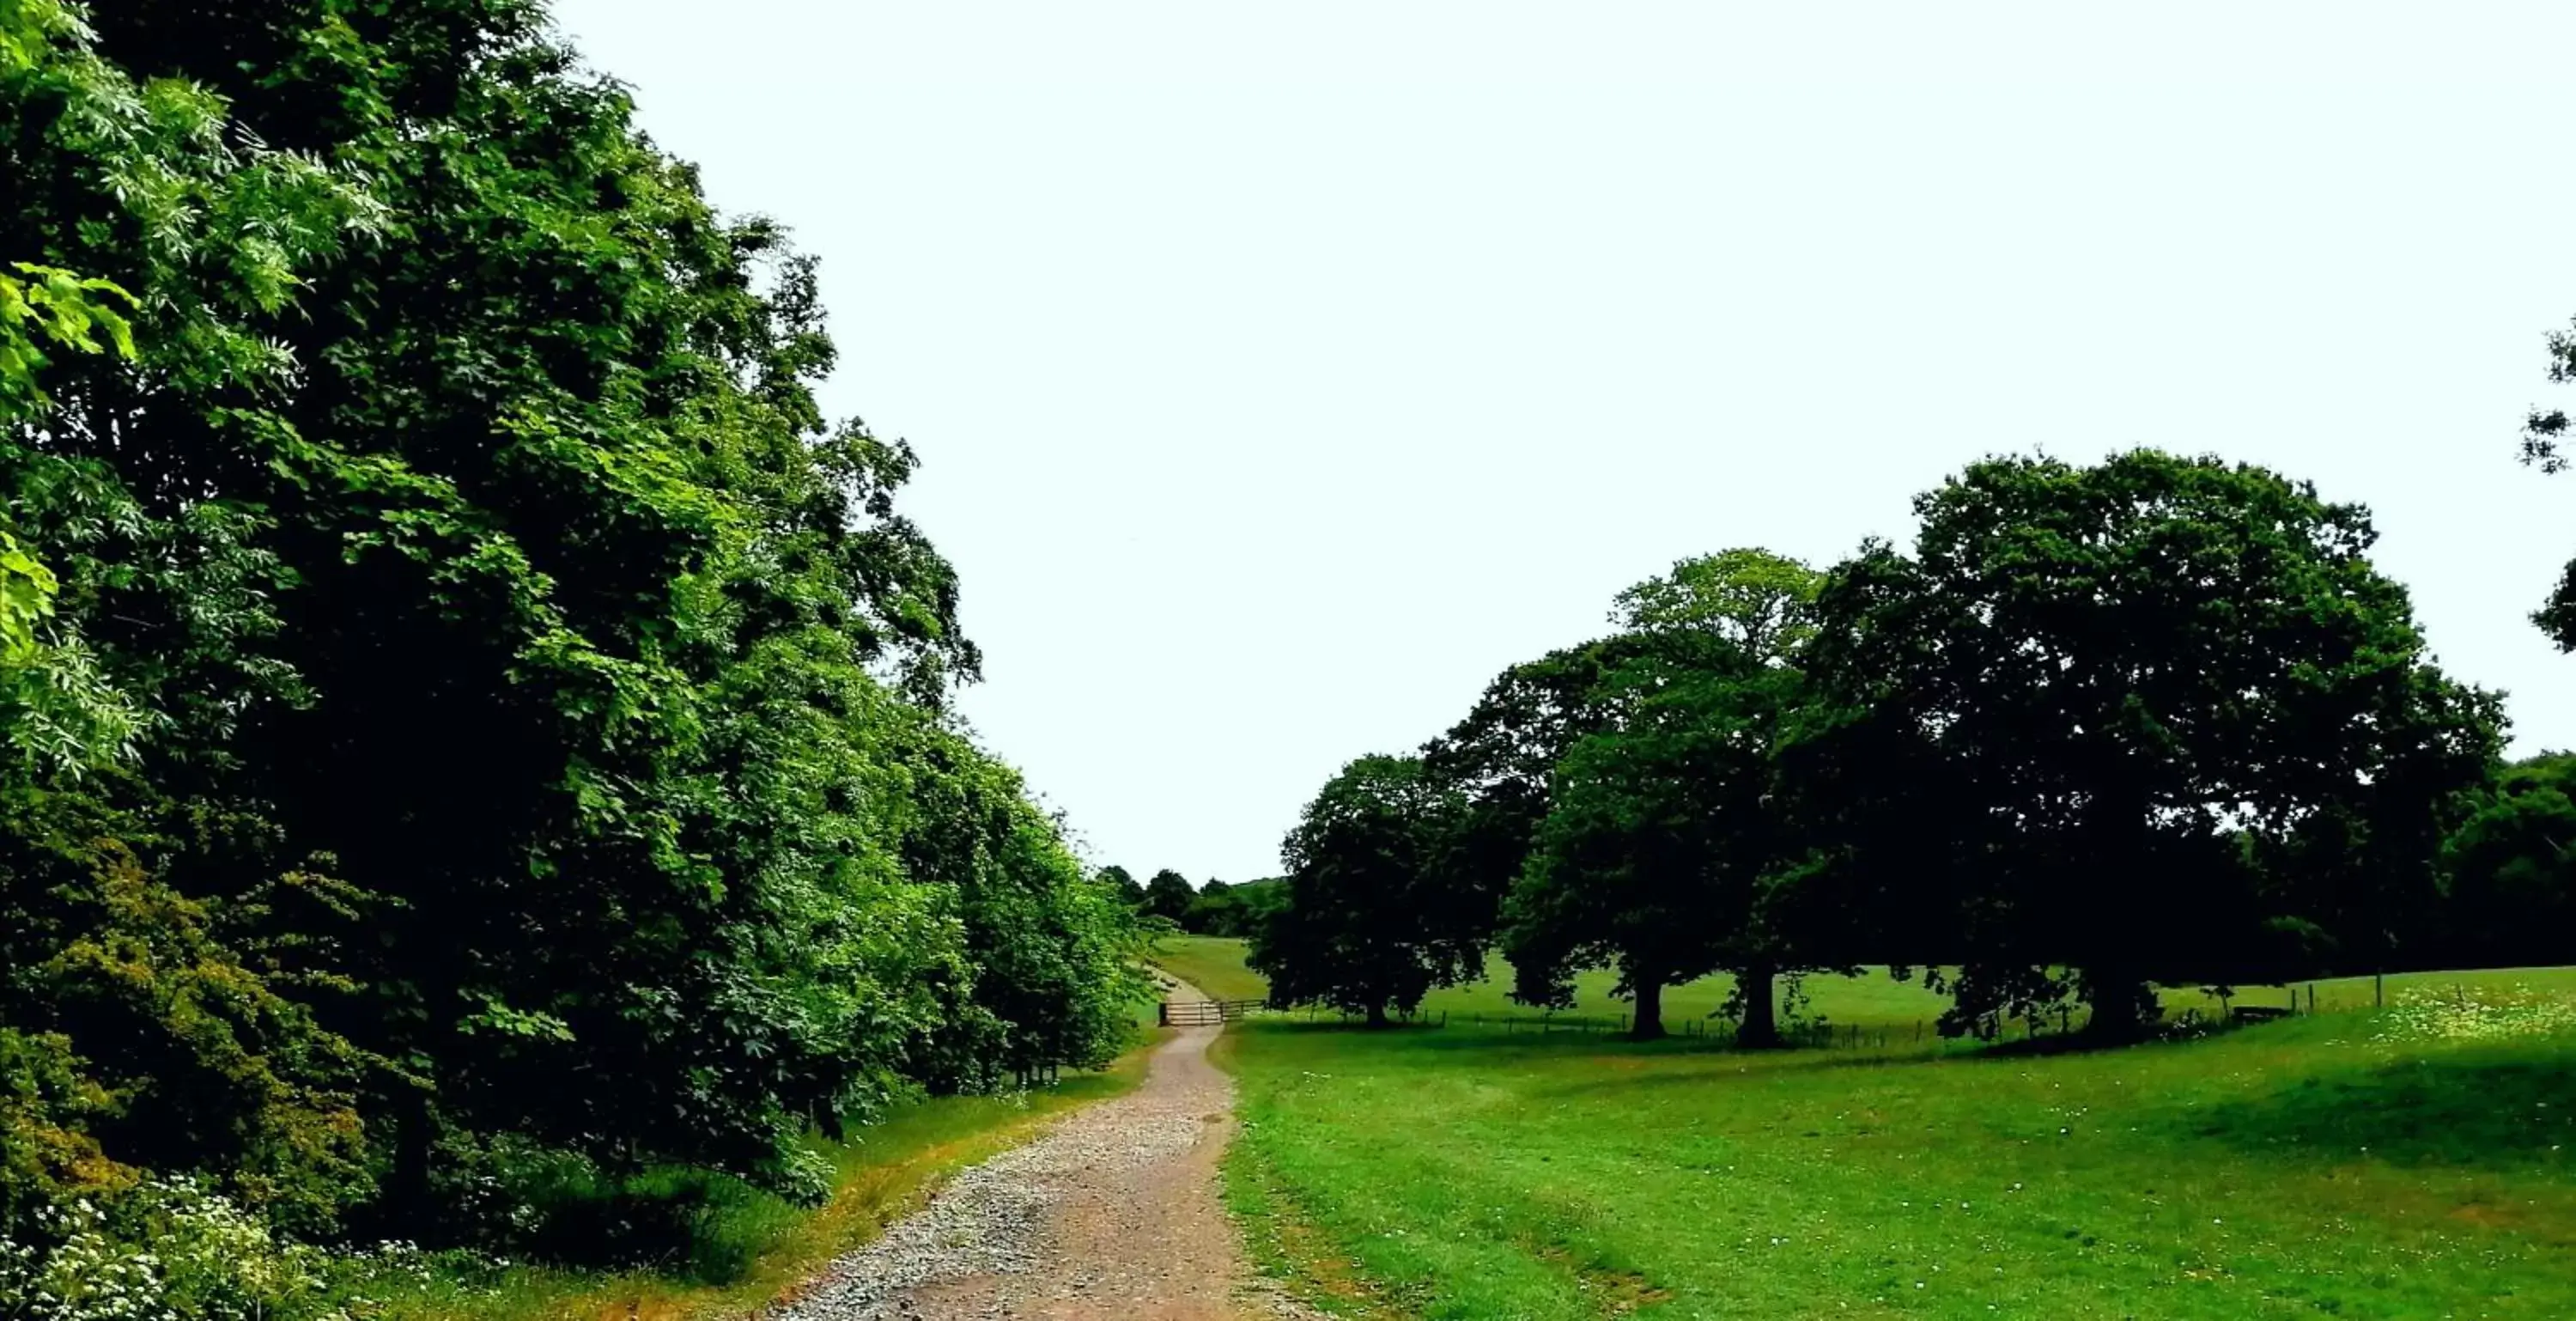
x: 885, y: 1172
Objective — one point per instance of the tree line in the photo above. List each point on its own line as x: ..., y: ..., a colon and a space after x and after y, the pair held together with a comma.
x: 2153, y: 720
x: 474, y: 725
x: 1217, y: 908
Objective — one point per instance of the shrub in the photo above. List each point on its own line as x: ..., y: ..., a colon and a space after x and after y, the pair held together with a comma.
x: 166, y: 1250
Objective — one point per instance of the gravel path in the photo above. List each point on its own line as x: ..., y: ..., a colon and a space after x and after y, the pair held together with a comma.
x: 1110, y: 1214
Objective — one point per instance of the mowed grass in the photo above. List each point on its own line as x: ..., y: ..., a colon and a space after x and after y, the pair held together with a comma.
x: 2416, y: 1163
x: 1214, y: 964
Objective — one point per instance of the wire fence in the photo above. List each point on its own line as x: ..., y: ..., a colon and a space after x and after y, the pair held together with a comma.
x: 1720, y: 1034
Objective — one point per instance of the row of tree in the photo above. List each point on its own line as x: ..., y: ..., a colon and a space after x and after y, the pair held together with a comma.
x: 2152, y: 720
x: 1214, y: 909
x: 469, y: 713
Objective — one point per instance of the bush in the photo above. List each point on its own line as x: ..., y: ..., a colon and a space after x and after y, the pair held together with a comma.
x: 166, y: 1250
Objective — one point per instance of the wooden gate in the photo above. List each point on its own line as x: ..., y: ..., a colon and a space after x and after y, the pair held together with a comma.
x: 1205, y: 1013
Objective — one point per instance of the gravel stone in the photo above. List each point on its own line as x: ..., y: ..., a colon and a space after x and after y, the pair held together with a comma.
x: 1110, y: 1214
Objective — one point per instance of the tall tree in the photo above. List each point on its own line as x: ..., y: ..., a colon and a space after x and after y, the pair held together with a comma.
x: 2510, y: 870
x: 2170, y: 708
x: 1168, y: 896
x: 1369, y: 921
x: 1500, y: 762
x: 532, y: 703
x: 1664, y: 848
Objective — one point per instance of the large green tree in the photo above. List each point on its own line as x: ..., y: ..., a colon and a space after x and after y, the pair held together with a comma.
x: 1500, y: 762
x: 2172, y: 712
x: 1169, y: 895
x: 1369, y: 920
x: 2509, y: 870
x: 1664, y: 849
x: 532, y: 704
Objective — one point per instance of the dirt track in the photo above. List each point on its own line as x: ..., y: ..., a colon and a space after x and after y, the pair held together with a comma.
x: 1110, y: 1214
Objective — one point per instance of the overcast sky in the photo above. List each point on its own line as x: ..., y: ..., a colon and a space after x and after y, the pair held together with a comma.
x: 1283, y: 372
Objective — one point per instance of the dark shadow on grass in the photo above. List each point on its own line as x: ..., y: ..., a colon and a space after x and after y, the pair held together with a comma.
x: 2474, y: 1111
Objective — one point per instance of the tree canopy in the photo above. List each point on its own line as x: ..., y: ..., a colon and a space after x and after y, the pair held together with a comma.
x: 1369, y: 921
x: 1663, y: 842
x: 2171, y: 716
x: 472, y: 711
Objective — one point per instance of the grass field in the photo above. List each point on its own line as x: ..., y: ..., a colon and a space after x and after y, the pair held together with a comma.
x: 1213, y: 964
x: 2414, y: 1163
x: 1872, y: 1001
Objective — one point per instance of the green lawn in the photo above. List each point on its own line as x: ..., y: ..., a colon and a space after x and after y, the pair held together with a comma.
x: 2414, y: 1163
x: 1213, y: 964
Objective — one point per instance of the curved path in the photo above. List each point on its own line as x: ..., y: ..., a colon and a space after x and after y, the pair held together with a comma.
x: 1110, y: 1214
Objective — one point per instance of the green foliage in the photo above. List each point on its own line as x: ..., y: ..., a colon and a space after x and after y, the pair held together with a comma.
x: 1762, y: 603
x: 169, y: 1250
x: 2150, y: 719
x: 1370, y: 919
x: 1119, y: 881
x: 1220, y: 909
x: 2543, y: 434
x: 1663, y: 844
x: 1169, y: 895
x: 2510, y: 874
x: 141, y: 1043
x: 480, y: 726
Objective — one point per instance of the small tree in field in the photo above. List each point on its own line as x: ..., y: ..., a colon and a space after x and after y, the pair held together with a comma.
x: 1369, y: 920
x: 2147, y: 714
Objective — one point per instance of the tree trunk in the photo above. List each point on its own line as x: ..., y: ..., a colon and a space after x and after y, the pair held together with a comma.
x: 1761, y: 1028
x: 2119, y: 999
x: 407, y: 1187
x: 1650, y: 1008
x: 1377, y: 1014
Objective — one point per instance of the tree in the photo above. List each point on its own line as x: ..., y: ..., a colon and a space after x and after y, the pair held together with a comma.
x: 1500, y: 762
x: 2510, y: 870
x: 1119, y: 881
x: 1760, y: 602
x: 1664, y: 848
x: 1169, y: 895
x: 2543, y: 434
x: 510, y: 716
x: 1369, y: 921
x: 2166, y: 712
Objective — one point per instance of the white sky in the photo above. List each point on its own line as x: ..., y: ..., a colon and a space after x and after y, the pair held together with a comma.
x: 1283, y: 372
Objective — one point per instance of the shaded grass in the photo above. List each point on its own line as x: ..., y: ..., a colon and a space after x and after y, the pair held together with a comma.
x: 1872, y: 1001
x: 749, y: 1246
x: 2299, y: 1169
